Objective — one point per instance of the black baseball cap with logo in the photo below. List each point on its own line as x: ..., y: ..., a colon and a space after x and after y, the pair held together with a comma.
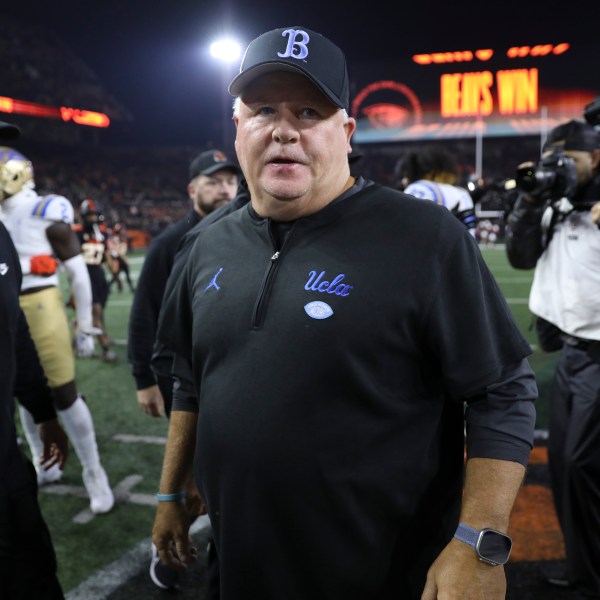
x: 573, y: 135
x: 8, y: 131
x: 209, y: 162
x: 296, y: 49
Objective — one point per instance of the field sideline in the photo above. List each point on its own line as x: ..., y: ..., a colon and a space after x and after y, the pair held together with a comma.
x: 131, y: 445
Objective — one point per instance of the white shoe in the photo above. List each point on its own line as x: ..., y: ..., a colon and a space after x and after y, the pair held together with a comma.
x: 98, y: 489
x: 52, y: 475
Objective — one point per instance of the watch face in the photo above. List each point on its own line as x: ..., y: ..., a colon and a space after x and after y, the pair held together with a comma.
x: 494, y: 547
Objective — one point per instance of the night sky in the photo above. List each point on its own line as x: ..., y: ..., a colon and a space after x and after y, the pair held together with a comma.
x: 153, y: 56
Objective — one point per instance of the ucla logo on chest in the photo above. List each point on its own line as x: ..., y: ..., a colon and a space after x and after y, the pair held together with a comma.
x: 296, y: 44
x: 318, y: 283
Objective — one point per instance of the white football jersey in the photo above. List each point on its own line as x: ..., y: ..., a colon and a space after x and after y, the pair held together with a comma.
x: 27, y: 215
x: 566, y: 283
x: 454, y: 198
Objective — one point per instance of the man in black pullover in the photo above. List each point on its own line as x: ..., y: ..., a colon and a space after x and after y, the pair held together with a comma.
x: 327, y: 336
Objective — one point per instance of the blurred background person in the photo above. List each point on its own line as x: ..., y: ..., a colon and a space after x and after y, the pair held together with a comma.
x: 25, y: 544
x: 92, y: 237
x: 118, y: 245
x: 213, y: 183
x: 554, y: 229
x: 43, y: 225
x: 431, y: 173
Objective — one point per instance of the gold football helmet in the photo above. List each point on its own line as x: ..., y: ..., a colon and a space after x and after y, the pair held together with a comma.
x: 16, y: 172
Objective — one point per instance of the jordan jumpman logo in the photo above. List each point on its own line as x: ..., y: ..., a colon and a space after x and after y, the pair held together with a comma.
x: 213, y: 283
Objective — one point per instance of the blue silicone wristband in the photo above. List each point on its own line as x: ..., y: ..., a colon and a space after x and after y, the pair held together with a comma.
x: 170, y: 497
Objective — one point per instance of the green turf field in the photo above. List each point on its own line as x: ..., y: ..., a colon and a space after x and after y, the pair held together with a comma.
x: 84, y: 544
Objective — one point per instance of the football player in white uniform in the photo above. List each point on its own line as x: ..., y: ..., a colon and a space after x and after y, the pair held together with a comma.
x: 41, y: 227
x: 431, y: 174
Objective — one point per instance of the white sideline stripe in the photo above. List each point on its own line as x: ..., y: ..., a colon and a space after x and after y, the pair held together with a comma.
x: 517, y: 300
x: 143, y: 439
x: 104, y: 582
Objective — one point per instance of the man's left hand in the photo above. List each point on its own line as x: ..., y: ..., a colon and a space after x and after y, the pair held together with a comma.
x: 458, y: 573
x: 56, y: 444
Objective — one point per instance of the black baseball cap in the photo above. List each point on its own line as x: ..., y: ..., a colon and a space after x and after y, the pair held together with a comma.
x: 209, y: 162
x: 8, y: 131
x: 296, y: 49
x: 574, y: 135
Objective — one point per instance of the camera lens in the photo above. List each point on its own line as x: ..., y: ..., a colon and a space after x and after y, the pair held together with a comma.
x: 527, y: 179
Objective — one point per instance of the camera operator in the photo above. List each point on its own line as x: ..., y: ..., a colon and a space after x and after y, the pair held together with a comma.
x: 554, y: 227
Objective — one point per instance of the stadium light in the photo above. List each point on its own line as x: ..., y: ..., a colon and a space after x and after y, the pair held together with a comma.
x: 226, y: 50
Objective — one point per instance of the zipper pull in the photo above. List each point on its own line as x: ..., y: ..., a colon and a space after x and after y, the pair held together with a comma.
x: 275, y: 256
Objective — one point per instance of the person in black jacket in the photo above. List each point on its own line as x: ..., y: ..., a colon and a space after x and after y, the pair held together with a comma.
x: 554, y: 227
x: 327, y: 335
x: 27, y: 558
x: 213, y: 182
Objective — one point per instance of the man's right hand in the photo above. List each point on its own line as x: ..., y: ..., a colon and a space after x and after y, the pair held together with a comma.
x: 56, y: 444
x: 170, y: 535
x: 151, y: 401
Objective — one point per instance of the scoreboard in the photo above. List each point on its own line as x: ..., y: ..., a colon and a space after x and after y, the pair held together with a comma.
x: 484, y: 92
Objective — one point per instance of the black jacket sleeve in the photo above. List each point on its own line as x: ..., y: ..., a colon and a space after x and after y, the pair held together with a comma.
x: 501, y: 420
x: 524, y: 235
x: 143, y: 318
x: 147, y: 300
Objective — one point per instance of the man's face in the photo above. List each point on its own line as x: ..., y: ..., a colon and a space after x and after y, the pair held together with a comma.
x: 211, y: 191
x: 586, y: 163
x: 292, y: 144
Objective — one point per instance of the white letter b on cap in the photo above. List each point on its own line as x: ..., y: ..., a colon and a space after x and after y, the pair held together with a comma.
x: 296, y: 48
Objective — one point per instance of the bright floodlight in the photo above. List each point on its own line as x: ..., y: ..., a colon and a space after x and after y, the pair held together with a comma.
x: 225, y: 50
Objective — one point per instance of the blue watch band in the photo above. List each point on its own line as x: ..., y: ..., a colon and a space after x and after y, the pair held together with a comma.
x: 467, y: 534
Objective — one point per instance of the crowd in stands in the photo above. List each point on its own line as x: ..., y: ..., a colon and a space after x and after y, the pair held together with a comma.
x: 146, y: 187
x: 29, y: 55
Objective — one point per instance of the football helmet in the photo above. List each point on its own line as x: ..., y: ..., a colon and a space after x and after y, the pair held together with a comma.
x: 91, y: 213
x: 16, y: 172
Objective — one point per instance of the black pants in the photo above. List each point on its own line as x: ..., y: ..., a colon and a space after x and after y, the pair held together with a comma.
x: 574, y: 462
x: 27, y: 558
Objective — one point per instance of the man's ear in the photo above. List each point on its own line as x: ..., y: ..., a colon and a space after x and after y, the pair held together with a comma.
x: 350, y: 127
x: 190, y: 190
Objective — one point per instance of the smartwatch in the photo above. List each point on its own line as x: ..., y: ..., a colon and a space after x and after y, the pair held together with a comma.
x: 491, y: 546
